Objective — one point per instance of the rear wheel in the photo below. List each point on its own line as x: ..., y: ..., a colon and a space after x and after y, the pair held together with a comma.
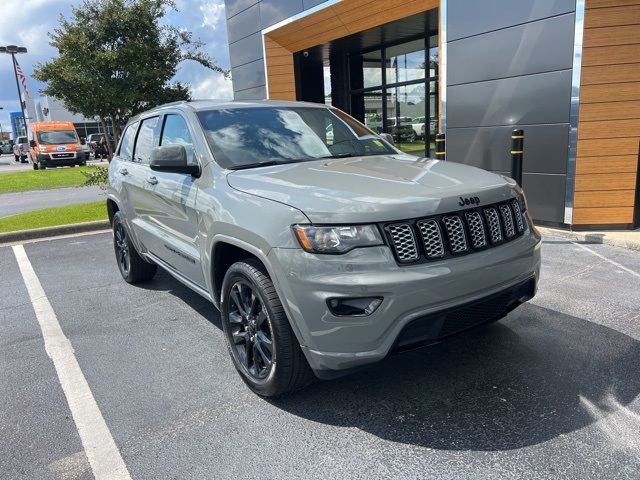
x: 261, y: 343
x: 132, y: 266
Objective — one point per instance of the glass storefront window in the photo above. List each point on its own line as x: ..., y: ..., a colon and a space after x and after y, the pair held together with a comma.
x: 406, y: 118
x: 372, y: 69
x: 402, y: 98
x: 371, y: 104
x: 406, y: 62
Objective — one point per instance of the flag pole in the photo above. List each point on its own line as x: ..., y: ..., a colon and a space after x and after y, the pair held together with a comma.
x: 15, y: 73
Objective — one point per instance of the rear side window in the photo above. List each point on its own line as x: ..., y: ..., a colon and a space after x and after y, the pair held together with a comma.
x: 126, y: 145
x: 176, y: 132
x: 147, y: 139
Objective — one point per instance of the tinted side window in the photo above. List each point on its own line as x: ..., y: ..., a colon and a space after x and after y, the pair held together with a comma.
x: 175, y: 132
x: 126, y: 144
x: 147, y: 139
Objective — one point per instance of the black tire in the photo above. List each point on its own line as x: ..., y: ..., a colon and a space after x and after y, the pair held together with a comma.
x: 132, y: 266
x: 288, y: 370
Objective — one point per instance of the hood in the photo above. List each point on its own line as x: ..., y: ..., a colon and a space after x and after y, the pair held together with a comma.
x: 372, y: 188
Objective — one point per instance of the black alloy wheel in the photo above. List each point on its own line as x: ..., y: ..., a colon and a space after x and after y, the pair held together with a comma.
x: 123, y: 254
x: 250, y: 330
x: 132, y: 266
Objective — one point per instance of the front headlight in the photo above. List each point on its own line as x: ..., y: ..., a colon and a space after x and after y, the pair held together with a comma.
x: 42, y: 149
x: 338, y: 239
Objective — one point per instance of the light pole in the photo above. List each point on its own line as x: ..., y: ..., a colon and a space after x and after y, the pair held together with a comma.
x: 13, y: 50
x: 1, y: 132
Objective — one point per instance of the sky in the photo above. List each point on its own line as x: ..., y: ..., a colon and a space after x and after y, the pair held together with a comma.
x: 27, y: 22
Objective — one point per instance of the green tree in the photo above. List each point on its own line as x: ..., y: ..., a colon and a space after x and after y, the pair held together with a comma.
x: 117, y: 58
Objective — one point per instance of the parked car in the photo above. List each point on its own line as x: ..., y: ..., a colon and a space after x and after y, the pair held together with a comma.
x: 321, y: 257
x: 418, y: 125
x: 92, y: 141
x: 401, y: 130
x: 55, y: 144
x: 5, y: 147
x: 21, y: 149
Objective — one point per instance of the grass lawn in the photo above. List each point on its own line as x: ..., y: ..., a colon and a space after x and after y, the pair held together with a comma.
x: 42, y: 179
x: 51, y: 217
x: 416, y: 148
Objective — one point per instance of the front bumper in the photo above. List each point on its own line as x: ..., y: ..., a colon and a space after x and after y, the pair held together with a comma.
x: 412, y: 294
x: 49, y: 160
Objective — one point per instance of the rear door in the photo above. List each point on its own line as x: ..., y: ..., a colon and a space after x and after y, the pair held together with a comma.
x: 171, y: 209
x: 137, y: 179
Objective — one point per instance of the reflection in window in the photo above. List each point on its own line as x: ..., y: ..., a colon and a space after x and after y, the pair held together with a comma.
x: 406, y: 62
x: 176, y: 132
x: 255, y: 135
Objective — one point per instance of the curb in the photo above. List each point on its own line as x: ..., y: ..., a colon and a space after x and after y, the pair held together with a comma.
x: 629, y: 239
x: 35, y: 233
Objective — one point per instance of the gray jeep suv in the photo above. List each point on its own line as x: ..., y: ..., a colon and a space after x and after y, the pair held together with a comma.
x: 322, y: 252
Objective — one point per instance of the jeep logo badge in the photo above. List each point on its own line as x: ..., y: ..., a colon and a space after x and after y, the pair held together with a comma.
x: 469, y: 201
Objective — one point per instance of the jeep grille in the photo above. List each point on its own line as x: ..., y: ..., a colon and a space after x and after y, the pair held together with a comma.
x: 456, y: 233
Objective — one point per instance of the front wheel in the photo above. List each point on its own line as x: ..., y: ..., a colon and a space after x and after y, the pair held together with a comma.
x: 132, y: 266
x: 261, y: 343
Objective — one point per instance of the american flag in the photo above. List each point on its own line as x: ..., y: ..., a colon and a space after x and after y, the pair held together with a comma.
x: 22, y: 78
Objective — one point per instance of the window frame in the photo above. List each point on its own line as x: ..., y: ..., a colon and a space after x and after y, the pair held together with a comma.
x: 137, y: 124
x: 135, y: 144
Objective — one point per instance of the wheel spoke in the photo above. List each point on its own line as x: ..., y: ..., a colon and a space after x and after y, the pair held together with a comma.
x: 239, y: 336
x: 260, y: 318
x: 235, y: 295
x: 248, y: 354
x: 266, y: 342
x: 266, y: 360
x: 235, y: 317
x: 254, y: 303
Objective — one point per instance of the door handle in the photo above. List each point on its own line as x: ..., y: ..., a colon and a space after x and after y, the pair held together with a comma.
x: 152, y: 180
x: 124, y: 171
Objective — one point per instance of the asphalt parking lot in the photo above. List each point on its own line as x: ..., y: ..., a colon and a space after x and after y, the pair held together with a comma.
x: 551, y: 391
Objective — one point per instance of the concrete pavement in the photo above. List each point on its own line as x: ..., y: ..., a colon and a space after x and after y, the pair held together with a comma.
x: 551, y: 391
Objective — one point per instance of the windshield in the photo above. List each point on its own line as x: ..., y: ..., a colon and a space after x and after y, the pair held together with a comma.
x: 57, y: 137
x: 242, y: 137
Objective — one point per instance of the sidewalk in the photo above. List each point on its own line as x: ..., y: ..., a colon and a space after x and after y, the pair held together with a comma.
x: 20, y: 202
x: 629, y: 239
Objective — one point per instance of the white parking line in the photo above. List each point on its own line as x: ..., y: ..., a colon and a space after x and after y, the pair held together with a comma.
x: 621, y: 267
x: 100, y: 448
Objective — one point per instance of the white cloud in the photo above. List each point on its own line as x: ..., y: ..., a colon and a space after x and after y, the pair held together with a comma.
x: 212, y: 13
x: 214, y: 87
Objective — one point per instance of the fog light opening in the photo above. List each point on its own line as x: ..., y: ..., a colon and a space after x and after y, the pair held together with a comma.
x: 353, y: 307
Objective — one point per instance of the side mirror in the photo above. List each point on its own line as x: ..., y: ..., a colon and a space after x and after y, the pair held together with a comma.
x: 32, y: 143
x: 387, y: 137
x: 173, y: 159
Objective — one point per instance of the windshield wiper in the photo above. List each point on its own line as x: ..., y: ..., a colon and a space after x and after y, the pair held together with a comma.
x: 341, y: 155
x: 254, y: 165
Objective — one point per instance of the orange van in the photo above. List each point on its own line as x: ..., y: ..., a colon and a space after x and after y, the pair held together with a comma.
x: 55, y: 144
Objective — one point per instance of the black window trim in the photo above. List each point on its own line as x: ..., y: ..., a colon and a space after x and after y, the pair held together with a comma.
x: 191, y: 132
x: 119, y: 149
x: 135, y: 143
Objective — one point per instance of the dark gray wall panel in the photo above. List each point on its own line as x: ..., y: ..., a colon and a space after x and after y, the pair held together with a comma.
x: 233, y: 7
x: 542, y: 46
x: 545, y: 195
x: 256, y: 93
x: 274, y: 11
x: 246, y: 50
x: 541, y: 98
x: 471, y: 17
x: 546, y: 147
x: 248, y: 75
x: 244, y: 24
